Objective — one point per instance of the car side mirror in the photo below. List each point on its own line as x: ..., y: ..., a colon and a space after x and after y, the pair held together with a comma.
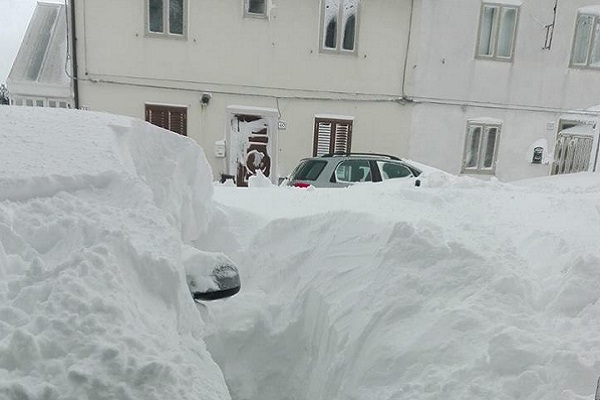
x: 418, y: 183
x: 210, y: 276
x: 227, y: 280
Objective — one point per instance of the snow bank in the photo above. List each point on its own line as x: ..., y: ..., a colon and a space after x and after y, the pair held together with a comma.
x: 460, y: 289
x: 94, y: 212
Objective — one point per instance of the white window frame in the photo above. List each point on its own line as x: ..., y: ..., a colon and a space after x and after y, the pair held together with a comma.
x: 495, y: 32
x: 165, y: 17
x: 479, y: 168
x: 591, y: 41
x: 340, y: 30
x: 248, y: 14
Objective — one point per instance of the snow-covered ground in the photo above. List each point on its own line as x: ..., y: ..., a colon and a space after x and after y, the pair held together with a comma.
x: 459, y: 289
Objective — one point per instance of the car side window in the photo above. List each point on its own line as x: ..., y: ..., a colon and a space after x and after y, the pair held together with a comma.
x: 353, y: 171
x: 390, y: 170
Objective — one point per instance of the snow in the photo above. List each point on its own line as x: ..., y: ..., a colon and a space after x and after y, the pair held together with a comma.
x: 461, y: 288
x: 458, y: 289
x: 94, y: 214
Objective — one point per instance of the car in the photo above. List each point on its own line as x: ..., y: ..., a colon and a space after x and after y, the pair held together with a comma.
x: 345, y: 169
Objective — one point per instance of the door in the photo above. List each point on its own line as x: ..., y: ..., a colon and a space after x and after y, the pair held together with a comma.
x: 575, y: 151
x: 250, y: 147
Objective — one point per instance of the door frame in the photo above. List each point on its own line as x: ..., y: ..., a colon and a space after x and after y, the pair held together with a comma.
x: 272, y: 117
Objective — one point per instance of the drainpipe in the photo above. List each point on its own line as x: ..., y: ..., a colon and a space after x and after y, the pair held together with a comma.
x: 74, y: 57
x: 405, y: 98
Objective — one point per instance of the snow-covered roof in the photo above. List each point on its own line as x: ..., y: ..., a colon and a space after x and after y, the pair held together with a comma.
x: 580, y: 130
x: 40, y: 67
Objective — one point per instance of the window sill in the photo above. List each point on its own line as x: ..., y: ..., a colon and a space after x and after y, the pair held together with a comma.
x: 170, y: 36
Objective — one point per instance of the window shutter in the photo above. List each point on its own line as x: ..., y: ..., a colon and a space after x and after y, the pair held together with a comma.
x: 323, y: 138
x: 342, y: 137
x: 171, y: 118
x: 332, y: 135
x: 177, y: 122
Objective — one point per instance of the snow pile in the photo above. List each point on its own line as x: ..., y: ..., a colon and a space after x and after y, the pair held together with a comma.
x: 458, y: 289
x: 94, y: 213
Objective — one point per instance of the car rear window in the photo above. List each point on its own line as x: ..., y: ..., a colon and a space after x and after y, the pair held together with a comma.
x: 309, y: 170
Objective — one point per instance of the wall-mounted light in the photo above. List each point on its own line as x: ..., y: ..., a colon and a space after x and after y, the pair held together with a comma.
x: 205, y: 99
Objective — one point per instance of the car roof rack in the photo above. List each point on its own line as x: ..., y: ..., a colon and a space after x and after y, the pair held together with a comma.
x: 362, y: 154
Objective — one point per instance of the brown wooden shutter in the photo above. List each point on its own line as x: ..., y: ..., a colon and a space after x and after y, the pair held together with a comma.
x: 332, y: 136
x: 171, y: 118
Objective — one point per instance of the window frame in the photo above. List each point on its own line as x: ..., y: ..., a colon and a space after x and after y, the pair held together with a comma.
x: 494, y: 38
x: 340, y: 30
x: 248, y: 14
x: 367, y: 174
x: 166, y: 21
x: 479, y: 168
x: 335, y: 121
x: 590, y: 44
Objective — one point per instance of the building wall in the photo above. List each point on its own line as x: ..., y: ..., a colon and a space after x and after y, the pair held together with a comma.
x: 378, y: 126
x: 249, y: 62
x: 450, y: 85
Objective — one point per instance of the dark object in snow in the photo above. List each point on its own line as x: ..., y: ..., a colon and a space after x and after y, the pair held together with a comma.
x: 225, y: 178
x: 4, y: 96
x: 227, y: 279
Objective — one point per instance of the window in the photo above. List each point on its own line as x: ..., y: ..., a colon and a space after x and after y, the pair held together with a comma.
x: 390, y: 170
x: 256, y: 8
x: 166, y: 17
x: 497, y: 31
x: 586, y: 43
x: 353, y: 171
x: 309, y: 170
x: 171, y: 118
x: 39, y: 103
x: 339, y: 26
x: 29, y: 102
x: 481, y: 146
x: 332, y: 136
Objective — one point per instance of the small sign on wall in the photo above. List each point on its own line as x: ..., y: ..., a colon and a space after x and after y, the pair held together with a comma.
x: 282, y: 125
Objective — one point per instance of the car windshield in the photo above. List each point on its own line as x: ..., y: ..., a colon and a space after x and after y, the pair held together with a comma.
x: 309, y: 170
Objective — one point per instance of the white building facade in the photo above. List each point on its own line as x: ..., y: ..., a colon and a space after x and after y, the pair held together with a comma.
x: 474, y: 87
x: 259, y: 84
x: 494, y: 83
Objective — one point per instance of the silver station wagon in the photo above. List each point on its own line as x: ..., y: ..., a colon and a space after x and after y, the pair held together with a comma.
x: 342, y: 170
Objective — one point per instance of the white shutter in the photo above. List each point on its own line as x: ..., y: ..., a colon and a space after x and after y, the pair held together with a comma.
x: 323, y: 137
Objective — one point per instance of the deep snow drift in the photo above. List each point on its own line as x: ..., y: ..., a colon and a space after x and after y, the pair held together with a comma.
x: 94, y: 212
x: 459, y: 289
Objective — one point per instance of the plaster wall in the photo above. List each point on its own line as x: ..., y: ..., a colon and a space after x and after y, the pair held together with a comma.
x: 225, y: 49
x: 444, y: 65
x: 378, y: 126
x: 439, y: 132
